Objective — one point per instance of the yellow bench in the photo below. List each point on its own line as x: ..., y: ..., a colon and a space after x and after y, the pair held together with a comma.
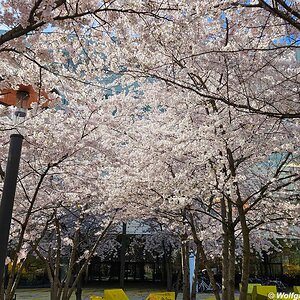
x: 264, y: 292
x: 161, y: 296
x: 297, y: 289
x: 115, y: 294
x: 250, y: 289
x: 96, y: 298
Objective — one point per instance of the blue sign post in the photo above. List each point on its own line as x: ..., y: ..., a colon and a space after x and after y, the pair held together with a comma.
x: 298, y: 55
x: 192, y: 269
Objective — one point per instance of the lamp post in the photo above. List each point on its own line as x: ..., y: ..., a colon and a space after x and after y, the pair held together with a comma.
x: 10, y: 179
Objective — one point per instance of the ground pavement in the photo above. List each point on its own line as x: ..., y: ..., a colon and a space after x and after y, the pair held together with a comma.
x: 43, y: 294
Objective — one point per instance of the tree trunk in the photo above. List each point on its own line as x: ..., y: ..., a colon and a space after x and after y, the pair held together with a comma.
x: 2, y: 289
x: 177, y: 283
x: 228, y: 264
x: 169, y: 273
x: 245, y: 229
x: 78, y: 292
x: 225, y: 269
x: 202, y: 255
x: 246, y: 254
x: 231, y: 256
x: 185, y: 270
x: 13, y: 282
x: 225, y: 251
x: 86, y: 275
x: 122, y: 257
x: 15, y: 275
x: 54, y: 291
x: 231, y: 264
x: 245, y: 266
x: 209, y: 270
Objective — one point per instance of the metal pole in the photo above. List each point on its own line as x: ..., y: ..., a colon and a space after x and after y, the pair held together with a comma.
x: 8, y: 195
x: 192, y: 269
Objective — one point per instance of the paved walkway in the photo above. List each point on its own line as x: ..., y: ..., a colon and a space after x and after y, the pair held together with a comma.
x: 43, y: 294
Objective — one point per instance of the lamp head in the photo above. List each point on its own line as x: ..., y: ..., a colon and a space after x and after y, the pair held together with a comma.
x: 21, y: 103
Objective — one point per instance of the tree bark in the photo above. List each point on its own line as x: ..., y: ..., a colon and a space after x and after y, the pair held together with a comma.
x: 177, y: 283
x: 78, y: 292
x: 72, y: 263
x: 231, y: 264
x: 225, y: 270
x: 246, y: 253
x: 2, y: 290
x: 169, y: 273
x: 122, y: 257
x: 231, y: 256
x: 225, y: 252
x: 209, y: 270
x: 185, y: 270
x: 15, y: 273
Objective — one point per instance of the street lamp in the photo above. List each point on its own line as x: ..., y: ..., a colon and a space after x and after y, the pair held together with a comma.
x: 22, y: 99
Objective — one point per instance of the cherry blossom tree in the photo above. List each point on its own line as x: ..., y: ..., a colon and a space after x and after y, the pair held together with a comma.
x: 286, y: 11
x: 237, y: 52
x: 195, y: 162
x: 221, y: 97
x: 240, y: 56
x: 63, y: 166
x: 62, y: 45
x: 63, y: 243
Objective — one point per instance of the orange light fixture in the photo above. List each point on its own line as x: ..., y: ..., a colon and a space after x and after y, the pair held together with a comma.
x: 11, y: 97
